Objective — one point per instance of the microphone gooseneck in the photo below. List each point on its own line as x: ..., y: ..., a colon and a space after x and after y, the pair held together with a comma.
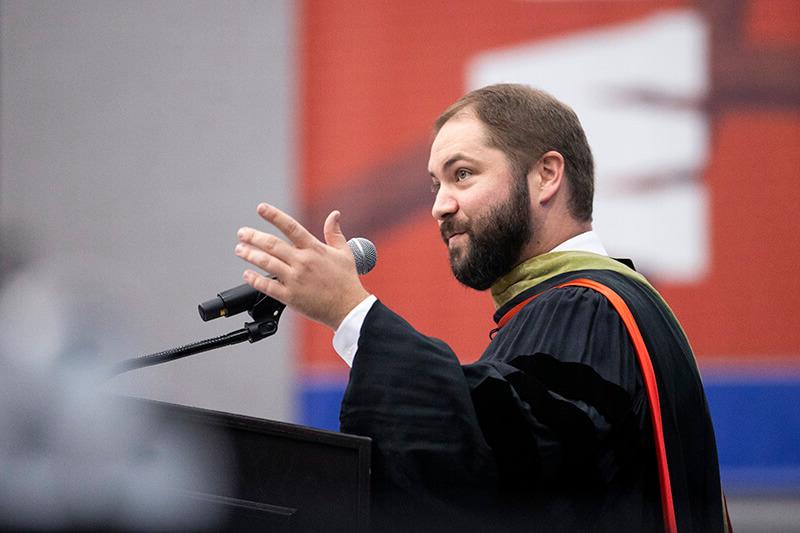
x: 265, y: 311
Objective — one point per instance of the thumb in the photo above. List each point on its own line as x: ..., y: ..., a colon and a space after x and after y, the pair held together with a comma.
x: 333, y: 231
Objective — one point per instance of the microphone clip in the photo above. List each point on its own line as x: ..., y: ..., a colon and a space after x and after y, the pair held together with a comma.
x: 266, y: 313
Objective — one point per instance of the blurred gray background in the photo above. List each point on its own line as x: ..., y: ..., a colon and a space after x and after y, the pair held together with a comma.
x: 136, y: 137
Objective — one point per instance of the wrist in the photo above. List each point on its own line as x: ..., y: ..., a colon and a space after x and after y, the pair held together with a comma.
x: 347, y: 304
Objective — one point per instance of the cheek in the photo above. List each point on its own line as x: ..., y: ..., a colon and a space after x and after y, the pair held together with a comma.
x: 478, y: 205
x: 472, y: 203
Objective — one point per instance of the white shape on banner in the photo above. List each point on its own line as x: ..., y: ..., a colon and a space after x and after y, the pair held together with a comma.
x: 638, y: 90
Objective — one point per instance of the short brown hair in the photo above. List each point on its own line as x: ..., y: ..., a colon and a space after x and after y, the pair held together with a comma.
x: 525, y: 123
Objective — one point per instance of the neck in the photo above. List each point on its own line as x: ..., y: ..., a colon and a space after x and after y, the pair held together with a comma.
x: 543, y: 241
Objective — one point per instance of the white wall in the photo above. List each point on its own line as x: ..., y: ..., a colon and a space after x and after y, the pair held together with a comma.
x: 136, y: 137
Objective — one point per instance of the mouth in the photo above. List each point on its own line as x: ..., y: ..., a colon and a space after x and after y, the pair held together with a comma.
x: 450, y: 238
x: 452, y: 232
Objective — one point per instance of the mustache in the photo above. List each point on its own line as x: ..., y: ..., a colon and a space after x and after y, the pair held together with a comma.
x: 451, y: 226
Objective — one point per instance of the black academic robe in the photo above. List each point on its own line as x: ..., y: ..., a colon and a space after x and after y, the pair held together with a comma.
x: 548, y: 431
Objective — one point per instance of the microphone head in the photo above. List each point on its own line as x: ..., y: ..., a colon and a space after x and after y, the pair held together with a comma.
x: 364, y: 253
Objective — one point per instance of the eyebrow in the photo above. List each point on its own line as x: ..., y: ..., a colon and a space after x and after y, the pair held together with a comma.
x: 452, y: 160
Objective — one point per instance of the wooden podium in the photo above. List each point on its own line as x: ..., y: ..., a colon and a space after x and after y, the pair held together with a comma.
x: 282, y: 477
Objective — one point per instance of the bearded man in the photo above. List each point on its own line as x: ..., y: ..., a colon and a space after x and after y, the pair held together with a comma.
x: 586, y: 411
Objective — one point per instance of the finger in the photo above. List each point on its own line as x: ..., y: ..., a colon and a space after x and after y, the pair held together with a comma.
x: 263, y: 260
x: 270, y: 287
x: 294, y: 231
x: 266, y: 242
x: 333, y: 231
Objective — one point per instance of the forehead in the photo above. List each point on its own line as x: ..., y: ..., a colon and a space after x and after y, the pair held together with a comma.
x: 463, y: 134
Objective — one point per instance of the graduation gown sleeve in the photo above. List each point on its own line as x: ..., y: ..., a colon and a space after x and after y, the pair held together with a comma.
x: 553, y: 409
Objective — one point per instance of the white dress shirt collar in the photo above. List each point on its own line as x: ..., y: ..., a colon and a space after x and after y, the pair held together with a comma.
x: 585, y: 242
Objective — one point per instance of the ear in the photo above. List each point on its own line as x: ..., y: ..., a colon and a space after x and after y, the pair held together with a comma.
x: 547, y: 177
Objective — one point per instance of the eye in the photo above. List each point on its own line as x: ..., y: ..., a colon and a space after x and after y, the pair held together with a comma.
x: 462, y: 174
x: 435, y: 185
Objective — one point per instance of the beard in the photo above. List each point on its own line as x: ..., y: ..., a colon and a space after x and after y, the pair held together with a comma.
x: 495, y: 240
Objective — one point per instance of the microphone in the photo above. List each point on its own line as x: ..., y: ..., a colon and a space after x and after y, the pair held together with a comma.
x: 244, y: 297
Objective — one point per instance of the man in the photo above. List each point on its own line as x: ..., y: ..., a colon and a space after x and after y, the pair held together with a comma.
x: 585, y: 412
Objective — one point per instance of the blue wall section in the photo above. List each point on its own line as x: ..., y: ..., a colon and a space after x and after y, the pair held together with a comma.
x: 320, y: 401
x: 756, y: 420
x: 757, y: 424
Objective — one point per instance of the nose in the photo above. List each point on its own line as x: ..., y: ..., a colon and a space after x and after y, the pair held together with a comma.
x: 444, y: 205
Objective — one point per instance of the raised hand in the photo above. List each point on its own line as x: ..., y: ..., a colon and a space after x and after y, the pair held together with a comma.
x: 316, y: 278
